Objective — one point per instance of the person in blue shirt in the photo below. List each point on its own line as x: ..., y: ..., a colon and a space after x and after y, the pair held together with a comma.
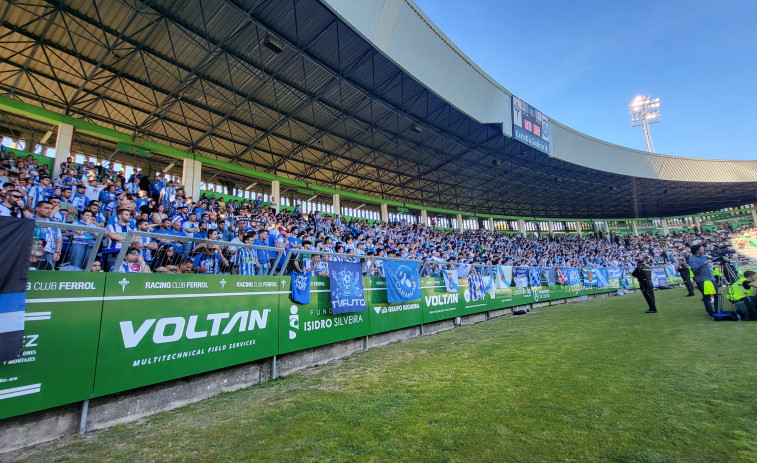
x: 210, y: 260
x: 79, y: 199
x: 263, y: 264
x: 701, y: 264
x: 244, y: 258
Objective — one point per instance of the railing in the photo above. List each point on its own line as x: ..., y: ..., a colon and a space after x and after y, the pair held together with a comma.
x: 292, y: 259
x: 170, y: 250
x: 79, y: 245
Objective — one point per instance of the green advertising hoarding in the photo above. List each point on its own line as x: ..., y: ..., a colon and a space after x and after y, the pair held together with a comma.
x: 159, y: 327
x: 385, y: 316
x: 438, y: 304
x: 61, y: 330
x: 303, y: 326
x: 466, y: 305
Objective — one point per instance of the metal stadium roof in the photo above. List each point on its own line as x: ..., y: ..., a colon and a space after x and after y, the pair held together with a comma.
x: 329, y: 109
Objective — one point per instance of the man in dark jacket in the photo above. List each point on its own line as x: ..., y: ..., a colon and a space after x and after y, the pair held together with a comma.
x: 643, y: 273
x: 685, y: 272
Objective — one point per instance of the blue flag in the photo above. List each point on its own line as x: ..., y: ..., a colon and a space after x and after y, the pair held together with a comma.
x: 624, y: 282
x: 534, y: 276
x: 476, y: 287
x: 613, y: 273
x: 300, y: 288
x: 346, y: 280
x: 590, y: 276
x: 549, y: 275
x: 17, y: 236
x: 403, y: 281
x: 670, y: 271
x: 574, y: 276
x: 520, y: 276
x: 504, y: 276
x: 602, y: 280
x: 450, y: 280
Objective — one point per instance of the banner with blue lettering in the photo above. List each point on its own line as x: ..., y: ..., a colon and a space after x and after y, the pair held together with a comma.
x: 613, y: 273
x: 602, y: 277
x: 504, y: 276
x: 590, y: 278
x: 300, y: 288
x: 346, y: 280
x: 475, y: 286
x: 17, y: 236
x: 403, y: 281
x: 548, y: 273
x: 450, y: 280
x: 520, y: 276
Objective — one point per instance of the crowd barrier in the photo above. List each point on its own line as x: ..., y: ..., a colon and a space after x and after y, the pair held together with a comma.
x: 89, y: 335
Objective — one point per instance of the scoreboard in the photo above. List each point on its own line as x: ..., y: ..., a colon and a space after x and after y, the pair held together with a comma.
x: 530, y: 126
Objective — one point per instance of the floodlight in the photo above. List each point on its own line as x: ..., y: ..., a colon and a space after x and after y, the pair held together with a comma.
x: 643, y: 111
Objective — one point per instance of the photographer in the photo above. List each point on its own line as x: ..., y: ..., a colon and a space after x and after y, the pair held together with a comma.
x: 743, y: 291
x: 701, y: 265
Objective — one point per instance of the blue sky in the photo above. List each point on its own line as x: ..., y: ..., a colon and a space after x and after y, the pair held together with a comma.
x: 582, y: 62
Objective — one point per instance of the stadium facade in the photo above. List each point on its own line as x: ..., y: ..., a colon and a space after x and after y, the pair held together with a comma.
x: 365, y: 100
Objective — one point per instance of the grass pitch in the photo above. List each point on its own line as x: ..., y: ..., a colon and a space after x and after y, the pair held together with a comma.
x: 595, y: 381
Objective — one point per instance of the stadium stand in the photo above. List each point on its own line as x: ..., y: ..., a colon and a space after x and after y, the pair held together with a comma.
x: 99, y: 198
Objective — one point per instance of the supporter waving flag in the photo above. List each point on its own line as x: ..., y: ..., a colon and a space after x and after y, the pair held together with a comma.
x: 16, y: 235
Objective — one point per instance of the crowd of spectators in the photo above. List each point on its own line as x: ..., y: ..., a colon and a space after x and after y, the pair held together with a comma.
x: 97, y: 197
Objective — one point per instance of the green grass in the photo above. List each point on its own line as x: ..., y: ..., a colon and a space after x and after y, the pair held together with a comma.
x: 596, y: 381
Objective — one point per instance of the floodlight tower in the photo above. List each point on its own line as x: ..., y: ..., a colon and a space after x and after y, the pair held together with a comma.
x: 645, y: 110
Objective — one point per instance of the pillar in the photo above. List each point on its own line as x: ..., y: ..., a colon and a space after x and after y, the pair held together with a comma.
x: 698, y: 222
x: 491, y: 224
x: 460, y: 222
x: 550, y: 228
x: 63, y: 147
x: 665, y: 228
x: 607, y: 230
x: 384, y: 212
x: 754, y: 216
x: 336, y: 202
x: 276, y: 192
x: 191, y: 172
x: 424, y: 217
x: 579, y: 228
x: 522, y: 226
x: 635, y: 228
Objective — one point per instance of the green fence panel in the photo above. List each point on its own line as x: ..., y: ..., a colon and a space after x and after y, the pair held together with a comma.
x: 305, y: 326
x: 60, y: 343
x: 160, y: 327
x: 438, y: 304
x: 384, y: 316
